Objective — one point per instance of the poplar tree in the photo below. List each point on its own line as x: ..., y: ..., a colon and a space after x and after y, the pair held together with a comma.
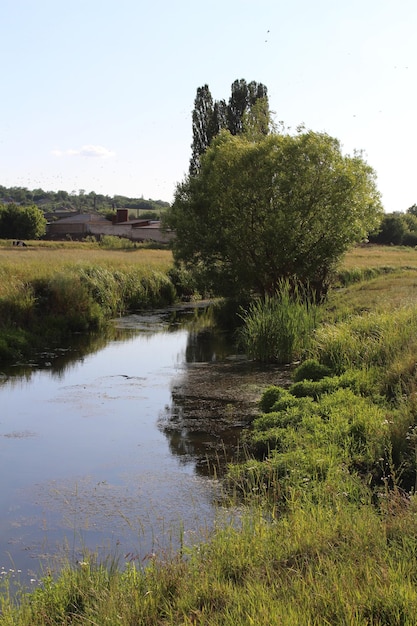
x: 247, y: 107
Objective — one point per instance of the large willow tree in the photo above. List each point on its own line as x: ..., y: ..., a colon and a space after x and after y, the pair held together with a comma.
x: 283, y: 206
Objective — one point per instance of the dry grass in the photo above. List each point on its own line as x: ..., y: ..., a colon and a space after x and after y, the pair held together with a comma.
x: 76, y: 254
x: 24, y: 264
x: 380, y: 256
x: 383, y: 293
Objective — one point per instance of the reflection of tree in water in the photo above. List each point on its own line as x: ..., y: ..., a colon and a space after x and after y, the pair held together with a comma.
x: 204, y: 431
x: 207, y: 344
x: 213, y: 401
x: 59, y: 359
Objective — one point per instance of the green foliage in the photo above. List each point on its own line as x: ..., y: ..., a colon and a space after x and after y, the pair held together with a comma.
x: 316, y: 388
x: 51, y: 201
x: 13, y: 344
x: 278, y: 328
x: 110, y: 242
x: 327, y: 562
x: 353, y: 275
x: 306, y: 205
x: 391, y: 230
x: 184, y: 282
x: 311, y: 369
x: 364, y: 382
x: 244, y: 97
x: 65, y: 304
x: 271, y: 395
x: 306, y: 442
x: 410, y: 239
x: 21, y: 222
x: 397, y: 229
x: 329, y: 536
x: 81, y: 299
x: 288, y: 410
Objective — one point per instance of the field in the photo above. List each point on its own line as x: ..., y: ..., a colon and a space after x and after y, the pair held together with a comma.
x: 45, y: 258
x: 369, y: 256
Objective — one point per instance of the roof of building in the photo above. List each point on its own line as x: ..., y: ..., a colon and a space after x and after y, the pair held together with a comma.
x: 82, y: 218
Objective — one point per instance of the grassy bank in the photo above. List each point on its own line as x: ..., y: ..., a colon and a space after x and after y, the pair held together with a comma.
x: 50, y: 291
x: 329, y: 533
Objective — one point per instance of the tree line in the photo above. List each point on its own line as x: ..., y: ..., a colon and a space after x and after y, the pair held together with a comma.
x: 398, y: 229
x: 51, y: 201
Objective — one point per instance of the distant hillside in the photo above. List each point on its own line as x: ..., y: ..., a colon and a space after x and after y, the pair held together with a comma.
x: 58, y: 201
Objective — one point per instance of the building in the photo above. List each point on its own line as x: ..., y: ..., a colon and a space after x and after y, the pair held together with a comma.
x: 82, y: 225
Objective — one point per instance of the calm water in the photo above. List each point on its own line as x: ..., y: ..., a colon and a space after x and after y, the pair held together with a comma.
x: 111, y: 450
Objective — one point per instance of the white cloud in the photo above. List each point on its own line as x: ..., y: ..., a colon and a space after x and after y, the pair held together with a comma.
x: 86, y: 151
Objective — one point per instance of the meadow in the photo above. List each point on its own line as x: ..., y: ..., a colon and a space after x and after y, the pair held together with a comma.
x: 327, y: 527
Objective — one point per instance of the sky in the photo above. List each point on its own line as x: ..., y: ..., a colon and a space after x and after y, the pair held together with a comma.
x: 97, y: 95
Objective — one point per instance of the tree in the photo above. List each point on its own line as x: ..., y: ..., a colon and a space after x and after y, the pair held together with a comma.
x: 243, y: 98
x: 21, y: 222
x: 257, y: 120
x: 391, y: 230
x: 246, y: 111
x: 204, y: 126
x: 281, y: 207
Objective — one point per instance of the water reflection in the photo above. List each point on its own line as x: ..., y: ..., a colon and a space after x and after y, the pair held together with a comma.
x: 110, y: 442
x: 213, y: 399
x: 58, y: 360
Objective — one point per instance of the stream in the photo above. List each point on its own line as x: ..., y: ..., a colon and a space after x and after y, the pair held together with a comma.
x: 117, y: 445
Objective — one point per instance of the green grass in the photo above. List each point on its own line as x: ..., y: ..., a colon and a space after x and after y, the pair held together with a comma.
x: 277, y: 328
x: 328, y: 563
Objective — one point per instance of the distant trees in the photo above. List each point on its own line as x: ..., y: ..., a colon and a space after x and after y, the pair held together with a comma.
x: 21, y: 222
x: 51, y: 201
x: 397, y: 229
x: 246, y: 111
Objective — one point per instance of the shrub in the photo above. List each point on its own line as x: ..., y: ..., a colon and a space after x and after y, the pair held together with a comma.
x: 184, y: 283
x: 311, y: 369
x: 262, y: 442
x: 111, y: 242
x: 286, y: 401
x: 315, y: 389
x: 290, y: 412
x: 270, y: 396
x: 410, y: 239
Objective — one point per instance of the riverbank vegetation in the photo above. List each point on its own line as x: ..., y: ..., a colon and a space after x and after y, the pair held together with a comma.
x: 328, y: 533
x: 48, y: 290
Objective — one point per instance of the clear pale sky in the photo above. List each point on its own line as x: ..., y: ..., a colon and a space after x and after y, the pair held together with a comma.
x: 98, y: 94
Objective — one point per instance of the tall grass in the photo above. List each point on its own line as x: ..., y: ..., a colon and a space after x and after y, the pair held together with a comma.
x: 370, y: 257
x: 371, y: 339
x: 46, y: 293
x: 278, y: 328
